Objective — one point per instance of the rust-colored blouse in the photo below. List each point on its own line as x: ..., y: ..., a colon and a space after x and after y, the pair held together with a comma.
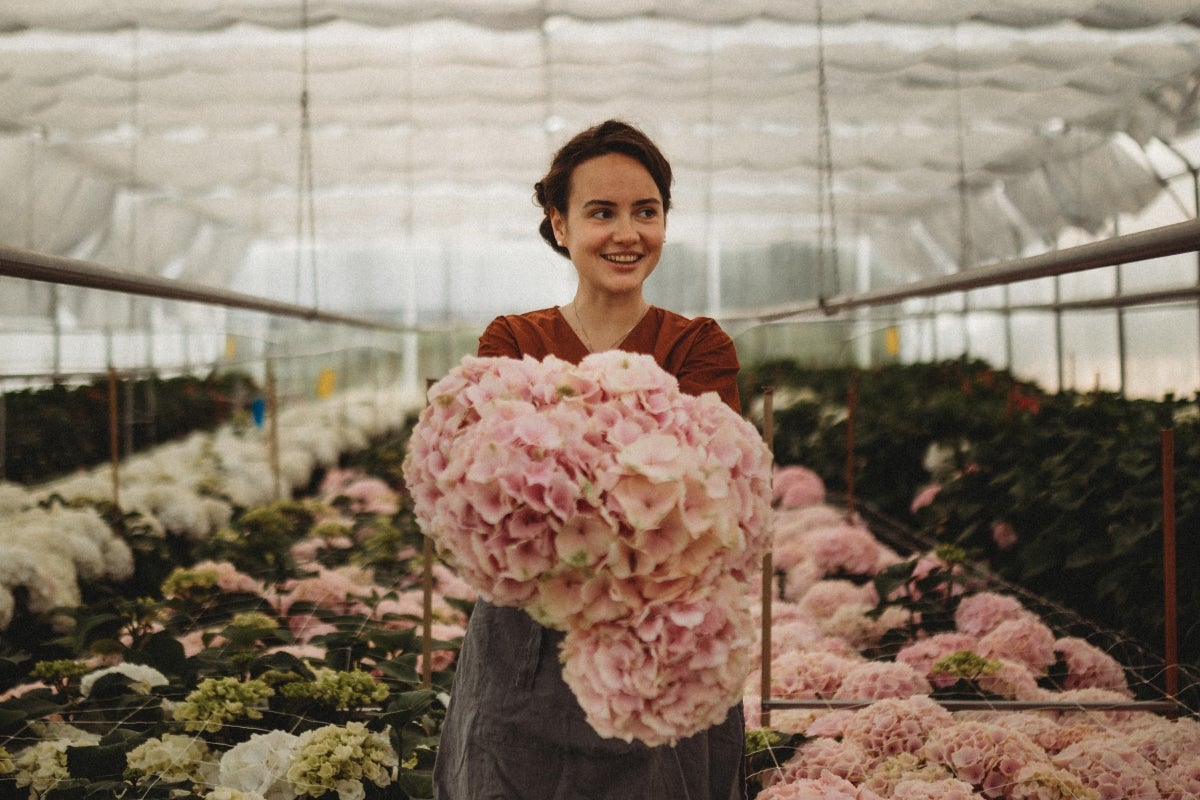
x: 514, y: 730
x: 696, y: 351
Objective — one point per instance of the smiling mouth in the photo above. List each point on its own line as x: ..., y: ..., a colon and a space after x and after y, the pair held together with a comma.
x: 623, y: 259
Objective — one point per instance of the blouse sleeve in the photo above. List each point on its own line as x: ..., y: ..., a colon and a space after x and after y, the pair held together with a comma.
x: 712, y: 366
x: 498, y: 340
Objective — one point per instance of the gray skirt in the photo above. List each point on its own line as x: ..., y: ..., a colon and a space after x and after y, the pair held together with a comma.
x: 514, y: 731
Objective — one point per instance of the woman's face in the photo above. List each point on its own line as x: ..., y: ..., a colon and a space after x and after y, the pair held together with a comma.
x: 615, y: 223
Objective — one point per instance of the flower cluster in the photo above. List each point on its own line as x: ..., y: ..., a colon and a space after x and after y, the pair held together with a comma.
x: 903, y: 743
x: 338, y: 688
x: 341, y: 759
x: 610, y: 505
x: 982, y: 754
x: 218, y: 701
x: 47, y: 552
x: 173, y: 758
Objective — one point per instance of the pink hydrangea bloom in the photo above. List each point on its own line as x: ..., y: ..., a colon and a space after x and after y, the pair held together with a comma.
x: 796, y: 487
x: 1092, y: 717
x: 558, y: 473
x: 830, y: 724
x: 860, y: 628
x: 875, y: 680
x: 922, y: 654
x: 983, y: 754
x: 847, y: 549
x: 936, y: 789
x: 449, y: 584
x: 790, y: 526
x: 1012, y: 681
x: 889, y: 773
x: 608, y: 504
x: 366, y: 494
x: 1181, y: 781
x: 1027, y: 640
x: 825, y: 597
x: 808, y: 674
x: 1090, y: 667
x: 981, y: 612
x: 335, y: 589
x: 896, y: 725
x: 673, y: 674
x: 819, y: 756
x: 798, y: 578
x: 1040, y: 781
x: 1167, y: 742
x: 795, y: 522
x: 1112, y: 768
x: 827, y: 787
x: 1043, y: 730
x: 796, y: 634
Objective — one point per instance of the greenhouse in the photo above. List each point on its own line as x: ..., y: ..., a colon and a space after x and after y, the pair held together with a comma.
x: 892, y: 467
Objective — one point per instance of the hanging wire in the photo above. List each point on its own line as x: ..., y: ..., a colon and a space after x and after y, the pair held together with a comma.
x: 964, y: 207
x: 135, y: 99
x: 305, y: 212
x: 965, y: 244
x: 826, y: 215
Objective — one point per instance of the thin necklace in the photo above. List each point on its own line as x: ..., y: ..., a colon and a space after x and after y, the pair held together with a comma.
x: 587, y: 340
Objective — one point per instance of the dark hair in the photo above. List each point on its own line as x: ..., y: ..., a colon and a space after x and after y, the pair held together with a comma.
x: 614, y: 136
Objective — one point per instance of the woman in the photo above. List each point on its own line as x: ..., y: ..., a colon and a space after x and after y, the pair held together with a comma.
x: 514, y: 730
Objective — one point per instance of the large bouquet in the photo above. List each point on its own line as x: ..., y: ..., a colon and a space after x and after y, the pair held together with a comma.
x: 610, y: 505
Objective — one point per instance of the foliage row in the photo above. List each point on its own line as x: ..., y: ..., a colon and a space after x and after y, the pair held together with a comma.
x: 1059, y: 493
x: 55, y: 430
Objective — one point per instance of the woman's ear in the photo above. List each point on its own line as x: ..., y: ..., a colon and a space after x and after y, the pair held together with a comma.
x: 559, y: 225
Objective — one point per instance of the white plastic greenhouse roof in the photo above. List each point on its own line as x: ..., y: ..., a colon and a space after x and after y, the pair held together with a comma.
x: 166, y: 135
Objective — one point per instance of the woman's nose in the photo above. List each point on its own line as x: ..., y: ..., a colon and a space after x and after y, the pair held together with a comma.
x: 624, y: 229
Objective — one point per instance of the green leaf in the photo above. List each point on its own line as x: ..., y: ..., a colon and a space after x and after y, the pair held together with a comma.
x: 416, y: 784
x: 96, y: 762
x: 164, y: 652
x: 1094, y: 552
x: 406, y: 707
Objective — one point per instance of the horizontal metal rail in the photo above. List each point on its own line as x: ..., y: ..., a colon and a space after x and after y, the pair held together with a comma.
x: 1169, y: 240
x: 1159, y: 297
x: 34, y: 266
x: 1154, y: 706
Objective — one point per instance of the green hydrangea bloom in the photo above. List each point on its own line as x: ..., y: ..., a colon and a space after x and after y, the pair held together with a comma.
x: 184, y: 581
x: 217, y: 701
x: 340, y: 759
x: 966, y: 664
x: 348, y: 690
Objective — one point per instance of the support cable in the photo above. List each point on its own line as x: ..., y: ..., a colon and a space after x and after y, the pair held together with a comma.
x: 826, y: 213
x: 305, y: 211
x: 965, y: 243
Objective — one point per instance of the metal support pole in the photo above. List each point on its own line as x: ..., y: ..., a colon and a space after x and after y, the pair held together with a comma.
x: 273, y: 431
x: 114, y: 437
x: 768, y: 569
x: 427, y: 600
x: 1170, y: 607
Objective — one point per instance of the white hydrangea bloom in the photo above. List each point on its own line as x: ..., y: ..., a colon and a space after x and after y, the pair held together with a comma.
x: 260, y: 766
x: 174, y: 759
x: 225, y: 793
x: 144, y: 678
x: 13, y: 498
